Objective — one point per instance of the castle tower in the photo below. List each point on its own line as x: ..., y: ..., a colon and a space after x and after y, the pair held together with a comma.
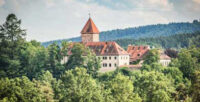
x: 90, y: 32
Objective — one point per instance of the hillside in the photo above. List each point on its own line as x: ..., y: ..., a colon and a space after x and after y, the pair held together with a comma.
x: 173, y: 41
x: 142, y: 32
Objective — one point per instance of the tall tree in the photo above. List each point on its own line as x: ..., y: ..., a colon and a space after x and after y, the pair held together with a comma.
x: 77, y: 58
x: 33, y: 58
x: 12, y: 38
x: 54, y: 62
x: 83, y: 57
x: 152, y: 56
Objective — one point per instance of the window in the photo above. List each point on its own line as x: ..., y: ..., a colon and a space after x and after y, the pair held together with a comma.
x: 104, y: 64
x: 138, y: 54
x: 109, y: 64
x: 110, y: 57
x: 115, y: 65
x: 104, y: 58
x: 115, y: 57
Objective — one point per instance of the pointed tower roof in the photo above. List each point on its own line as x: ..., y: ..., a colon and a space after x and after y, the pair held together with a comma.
x: 90, y: 28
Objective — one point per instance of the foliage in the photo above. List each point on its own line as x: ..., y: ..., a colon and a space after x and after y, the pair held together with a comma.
x: 120, y: 88
x: 188, y: 61
x: 19, y: 90
x: 173, y: 41
x: 80, y: 87
x: 11, y: 41
x: 77, y: 58
x: 33, y: 58
x: 54, y: 62
x: 83, y: 57
x: 152, y: 56
x: 196, y: 87
x: 154, y: 87
x: 51, y: 84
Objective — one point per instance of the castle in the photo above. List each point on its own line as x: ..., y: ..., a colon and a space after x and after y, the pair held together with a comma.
x: 110, y: 53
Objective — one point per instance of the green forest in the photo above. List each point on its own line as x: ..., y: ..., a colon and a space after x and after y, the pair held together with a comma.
x: 30, y: 72
x: 177, y: 41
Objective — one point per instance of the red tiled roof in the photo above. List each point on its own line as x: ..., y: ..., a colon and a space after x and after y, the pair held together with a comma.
x: 103, y: 48
x: 137, y: 52
x: 90, y: 28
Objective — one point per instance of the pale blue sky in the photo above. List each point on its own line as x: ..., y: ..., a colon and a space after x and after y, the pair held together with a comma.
x: 59, y: 19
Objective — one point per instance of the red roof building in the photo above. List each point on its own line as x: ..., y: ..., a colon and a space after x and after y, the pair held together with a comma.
x: 137, y: 52
x: 110, y: 53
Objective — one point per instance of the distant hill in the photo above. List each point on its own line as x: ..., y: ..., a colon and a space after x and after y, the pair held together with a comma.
x: 173, y: 41
x: 142, y: 32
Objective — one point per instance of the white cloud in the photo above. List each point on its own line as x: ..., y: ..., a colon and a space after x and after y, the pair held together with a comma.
x: 158, y: 5
x: 196, y: 1
x: 2, y: 2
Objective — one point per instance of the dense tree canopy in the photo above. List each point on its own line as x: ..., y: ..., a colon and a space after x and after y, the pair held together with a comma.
x: 19, y: 90
x: 80, y: 87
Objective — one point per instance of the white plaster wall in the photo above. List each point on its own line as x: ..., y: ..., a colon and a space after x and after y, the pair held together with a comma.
x: 124, y: 60
x: 108, y: 61
x: 165, y: 62
x: 95, y: 37
x: 120, y: 60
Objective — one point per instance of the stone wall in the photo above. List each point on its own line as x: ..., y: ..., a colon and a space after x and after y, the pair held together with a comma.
x: 90, y: 37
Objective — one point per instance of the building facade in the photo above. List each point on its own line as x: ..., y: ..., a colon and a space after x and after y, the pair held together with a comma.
x: 110, y: 53
x: 137, y: 52
x: 164, y: 59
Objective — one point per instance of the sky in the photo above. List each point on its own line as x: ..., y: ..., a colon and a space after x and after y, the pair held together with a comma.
x: 46, y: 20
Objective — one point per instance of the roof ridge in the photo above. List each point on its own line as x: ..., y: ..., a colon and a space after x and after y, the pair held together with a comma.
x: 104, y: 48
x: 116, y: 48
